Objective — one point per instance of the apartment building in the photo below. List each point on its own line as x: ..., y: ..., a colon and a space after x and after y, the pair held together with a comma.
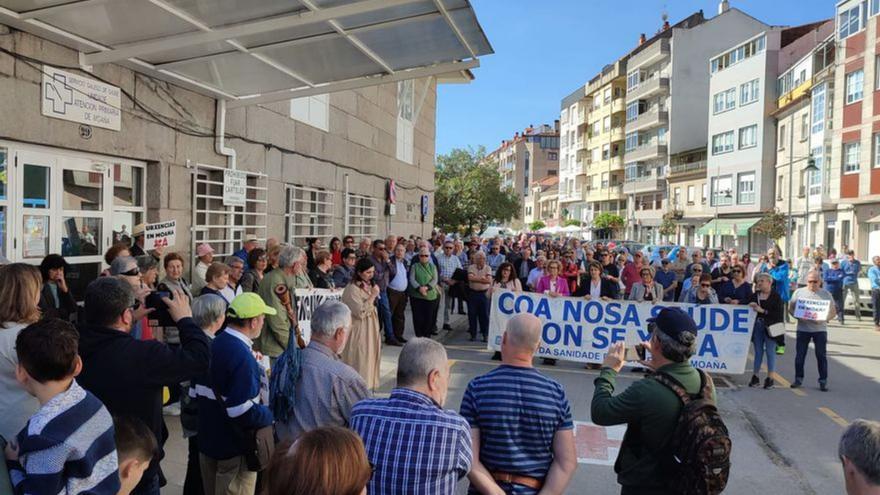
x: 601, y: 137
x: 856, y: 134
x: 529, y: 156
x: 804, y: 114
x: 543, y: 202
x: 666, y: 117
x: 572, y: 177
x: 147, y: 122
x: 688, y: 196
x: 742, y: 129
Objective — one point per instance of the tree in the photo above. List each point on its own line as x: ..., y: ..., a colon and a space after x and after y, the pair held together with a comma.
x: 609, y: 221
x: 571, y: 221
x: 773, y: 224
x: 469, y: 194
x: 537, y: 225
x: 668, y: 226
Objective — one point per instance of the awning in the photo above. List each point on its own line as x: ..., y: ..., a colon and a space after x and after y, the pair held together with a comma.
x: 728, y: 226
x: 258, y: 51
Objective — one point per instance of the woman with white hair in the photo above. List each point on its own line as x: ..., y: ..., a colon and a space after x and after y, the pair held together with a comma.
x: 768, y: 304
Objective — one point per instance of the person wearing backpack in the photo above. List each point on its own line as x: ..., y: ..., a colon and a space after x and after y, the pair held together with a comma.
x: 660, y: 427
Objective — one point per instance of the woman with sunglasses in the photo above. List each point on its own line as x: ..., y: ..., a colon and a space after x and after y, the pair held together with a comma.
x: 768, y: 305
x: 703, y: 293
x: 736, y: 290
x: 691, y: 283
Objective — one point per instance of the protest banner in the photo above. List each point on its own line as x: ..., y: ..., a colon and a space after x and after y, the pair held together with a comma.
x: 812, y: 309
x: 580, y: 330
x: 309, y: 299
x: 159, y: 235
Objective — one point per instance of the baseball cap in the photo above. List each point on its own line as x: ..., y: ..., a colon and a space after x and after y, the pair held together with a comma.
x: 204, y: 249
x: 249, y: 305
x: 674, y: 322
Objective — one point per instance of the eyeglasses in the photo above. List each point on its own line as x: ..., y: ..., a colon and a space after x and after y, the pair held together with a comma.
x: 696, y: 271
x: 812, y: 281
x: 134, y: 272
x: 424, y: 256
x: 736, y: 271
x: 447, y: 247
x: 706, y: 285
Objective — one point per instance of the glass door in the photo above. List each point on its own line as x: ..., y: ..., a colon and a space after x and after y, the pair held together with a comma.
x: 34, y: 232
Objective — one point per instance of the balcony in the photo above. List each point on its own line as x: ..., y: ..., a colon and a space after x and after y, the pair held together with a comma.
x: 680, y: 170
x: 647, y: 120
x: 611, y: 193
x: 650, y: 54
x: 646, y: 152
x: 618, y: 105
x: 583, y: 166
x: 648, y: 88
x: 646, y: 183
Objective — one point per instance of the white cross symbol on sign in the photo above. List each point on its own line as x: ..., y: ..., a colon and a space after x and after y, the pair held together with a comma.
x: 59, y: 93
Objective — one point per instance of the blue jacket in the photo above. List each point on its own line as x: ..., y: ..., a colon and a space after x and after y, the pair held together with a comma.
x: 780, y: 280
x: 236, y: 375
x: 850, y: 271
x: 874, y: 277
x: 243, y: 256
x: 833, y: 279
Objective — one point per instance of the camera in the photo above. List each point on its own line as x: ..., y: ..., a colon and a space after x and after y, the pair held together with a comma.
x: 154, y: 300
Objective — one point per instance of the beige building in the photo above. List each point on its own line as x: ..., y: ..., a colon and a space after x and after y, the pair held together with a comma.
x: 542, y: 202
x: 528, y: 157
x: 132, y: 131
x: 688, y: 196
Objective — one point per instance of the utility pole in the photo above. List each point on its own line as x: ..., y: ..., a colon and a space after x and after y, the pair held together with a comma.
x: 789, y: 241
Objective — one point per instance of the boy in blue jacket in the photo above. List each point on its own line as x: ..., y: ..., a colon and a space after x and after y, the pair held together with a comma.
x: 834, y: 284
x: 239, y: 379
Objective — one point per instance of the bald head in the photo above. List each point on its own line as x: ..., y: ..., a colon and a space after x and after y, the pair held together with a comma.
x: 523, y: 333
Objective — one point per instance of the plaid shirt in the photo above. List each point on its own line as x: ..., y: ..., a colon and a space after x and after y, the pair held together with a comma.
x: 448, y: 264
x: 415, y: 446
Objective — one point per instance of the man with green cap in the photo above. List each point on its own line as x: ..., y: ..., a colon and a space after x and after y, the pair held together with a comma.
x: 239, y: 379
x: 278, y: 290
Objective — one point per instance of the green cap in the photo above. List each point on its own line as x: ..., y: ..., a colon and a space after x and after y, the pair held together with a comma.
x: 249, y: 305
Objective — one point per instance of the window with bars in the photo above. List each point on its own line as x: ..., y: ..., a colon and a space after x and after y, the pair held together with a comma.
x: 361, y: 215
x: 309, y: 214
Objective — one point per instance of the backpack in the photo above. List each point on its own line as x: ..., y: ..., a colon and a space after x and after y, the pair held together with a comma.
x: 698, y: 454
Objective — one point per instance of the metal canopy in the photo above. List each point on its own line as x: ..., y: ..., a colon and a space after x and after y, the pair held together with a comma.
x: 256, y: 51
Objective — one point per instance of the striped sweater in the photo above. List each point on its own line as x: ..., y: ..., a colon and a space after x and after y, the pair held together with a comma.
x: 67, y: 447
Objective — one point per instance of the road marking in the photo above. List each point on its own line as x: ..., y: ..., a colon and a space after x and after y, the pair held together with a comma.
x: 597, y: 444
x: 834, y: 416
x: 787, y: 384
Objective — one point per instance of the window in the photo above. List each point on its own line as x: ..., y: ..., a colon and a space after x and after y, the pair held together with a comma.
x: 552, y: 156
x: 854, y: 86
x: 815, y: 181
x: 851, y: 153
x: 722, y: 191
x: 749, y: 92
x: 724, y: 101
x: 312, y: 110
x: 690, y: 194
x: 722, y: 143
x: 310, y: 213
x: 606, y: 151
x: 596, y: 129
x: 360, y: 215
x: 633, y: 79
x: 676, y: 197
x: 746, y: 190
x: 875, y: 8
x: 705, y: 193
x: 661, y: 135
x: 738, y: 54
x: 748, y: 136
x: 848, y: 23
x: 805, y: 127
x: 780, y: 180
x: 632, y: 141
x: 606, y: 95
x: 405, y: 120
x: 876, y: 150
x: 564, y: 117
x: 877, y: 70
x: 818, y: 110
x: 606, y: 124
x: 781, y: 143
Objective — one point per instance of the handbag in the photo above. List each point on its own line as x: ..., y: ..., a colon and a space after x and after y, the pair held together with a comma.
x: 258, y: 444
x: 776, y: 329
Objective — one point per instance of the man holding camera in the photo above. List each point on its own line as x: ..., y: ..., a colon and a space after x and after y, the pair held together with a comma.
x: 128, y: 375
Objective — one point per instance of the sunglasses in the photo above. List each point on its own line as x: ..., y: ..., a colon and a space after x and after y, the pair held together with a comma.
x: 706, y: 285
x: 812, y: 281
x: 134, y: 272
x: 447, y: 247
x: 696, y: 271
x: 424, y: 256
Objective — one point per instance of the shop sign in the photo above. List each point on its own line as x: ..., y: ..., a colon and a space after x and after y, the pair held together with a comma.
x: 234, y: 188
x: 76, y: 98
x: 159, y: 235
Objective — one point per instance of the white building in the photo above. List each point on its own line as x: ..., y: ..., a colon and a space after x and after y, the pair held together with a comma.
x: 571, y: 172
x: 666, y: 94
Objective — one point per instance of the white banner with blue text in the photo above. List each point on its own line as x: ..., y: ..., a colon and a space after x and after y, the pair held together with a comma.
x: 580, y: 330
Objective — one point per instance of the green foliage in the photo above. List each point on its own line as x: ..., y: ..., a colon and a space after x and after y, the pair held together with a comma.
x: 469, y: 196
x: 571, y: 221
x: 668, y: 226
x: 537, y: 225
x: 609, y: 221
x: 773, y: 224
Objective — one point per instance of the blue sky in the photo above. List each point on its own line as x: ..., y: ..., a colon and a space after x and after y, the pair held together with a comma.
x: 544, y: 49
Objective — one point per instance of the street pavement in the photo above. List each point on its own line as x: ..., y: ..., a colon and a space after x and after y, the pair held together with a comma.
x: 784, y: 440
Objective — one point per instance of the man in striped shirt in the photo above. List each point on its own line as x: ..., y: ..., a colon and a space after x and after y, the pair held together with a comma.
x: 67, y: 446
x: 517, y: 452
x: 415, y: 446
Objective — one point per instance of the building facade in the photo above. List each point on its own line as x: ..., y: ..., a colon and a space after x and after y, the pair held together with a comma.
x: 856, y: 122
x: 528, y: 157
x: 666, y: 89
x: 571, y: 171
x: 542, y: 202
x: 317, y: 166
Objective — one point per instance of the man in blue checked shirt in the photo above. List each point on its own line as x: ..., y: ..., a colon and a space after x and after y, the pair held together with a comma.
x: 874, y: 277
x: 415, y: 446
x: 851, y: 268
x: 523, y: 439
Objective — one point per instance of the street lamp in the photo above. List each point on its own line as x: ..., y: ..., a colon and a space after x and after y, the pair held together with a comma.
x: 809, y: 169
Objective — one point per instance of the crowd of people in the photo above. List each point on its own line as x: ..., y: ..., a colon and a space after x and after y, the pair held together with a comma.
x: 147, y: 342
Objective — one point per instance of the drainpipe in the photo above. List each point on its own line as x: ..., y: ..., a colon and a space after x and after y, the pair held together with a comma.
x: 220, y: 138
